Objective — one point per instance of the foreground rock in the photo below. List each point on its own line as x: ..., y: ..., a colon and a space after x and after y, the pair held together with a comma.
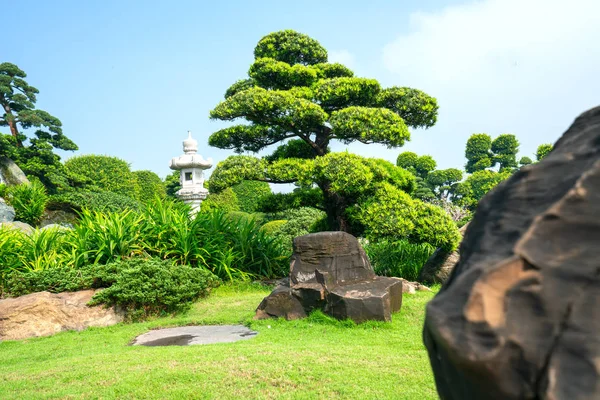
x: 519, y: 317
x: 18, y: 225
x: 44, y: 313
x: 439, y: 266
x: 190, y: 335
x: 331, y: 272
x: 10, y: 173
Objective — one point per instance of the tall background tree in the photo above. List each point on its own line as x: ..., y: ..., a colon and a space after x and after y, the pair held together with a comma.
x: 34, y: 153
x: 295, y: 98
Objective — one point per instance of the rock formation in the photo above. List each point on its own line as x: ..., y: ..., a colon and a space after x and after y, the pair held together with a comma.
x: 438, y: 267
x: 7, y: 213
x: 10, y: 173
x: 330, y: 271
x: 43, y: 314
x: 519, y: 317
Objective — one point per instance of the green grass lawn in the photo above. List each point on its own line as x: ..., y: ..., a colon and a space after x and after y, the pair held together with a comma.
x: 307, y: 359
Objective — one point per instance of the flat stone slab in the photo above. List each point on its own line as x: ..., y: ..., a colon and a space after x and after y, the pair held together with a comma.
x: 190, y: 335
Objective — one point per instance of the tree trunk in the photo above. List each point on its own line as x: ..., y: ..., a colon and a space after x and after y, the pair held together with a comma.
x: 335, y: 207
x: 11, y: 123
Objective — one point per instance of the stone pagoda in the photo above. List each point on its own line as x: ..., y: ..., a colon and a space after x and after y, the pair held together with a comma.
x: 191, y: 166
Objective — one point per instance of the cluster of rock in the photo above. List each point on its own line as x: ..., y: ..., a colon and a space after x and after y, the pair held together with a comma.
x: 331, y: 272
x: 519, y: 316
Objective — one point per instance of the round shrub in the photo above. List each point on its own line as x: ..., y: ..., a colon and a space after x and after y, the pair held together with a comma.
x: 103, y: 173
x: 149, y: 186
x: 392, y: 213
x: 250, y: 193
x: 225, y: 201
x: 271, y: 228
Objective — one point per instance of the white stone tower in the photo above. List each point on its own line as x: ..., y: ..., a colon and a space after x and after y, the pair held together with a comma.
x: 191, y: 177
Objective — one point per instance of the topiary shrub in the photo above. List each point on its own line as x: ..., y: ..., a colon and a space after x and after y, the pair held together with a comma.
x: 393, y: 214
x: 149, y: 186
x: 250, y: 193
x: 103, y: 173
x: 29, y: 201
x: 273, y: 227
x: 101, y: 201
x: 225, y: 201
x: 299, y: 197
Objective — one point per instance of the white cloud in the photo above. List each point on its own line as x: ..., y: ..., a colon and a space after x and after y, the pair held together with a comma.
x: 521, y: 66
x: 343, y: 57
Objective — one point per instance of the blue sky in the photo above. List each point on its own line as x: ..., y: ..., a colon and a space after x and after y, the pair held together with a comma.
x: 129, y: 78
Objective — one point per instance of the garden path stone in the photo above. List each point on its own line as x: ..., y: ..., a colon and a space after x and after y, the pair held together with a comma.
x: 190, y: 335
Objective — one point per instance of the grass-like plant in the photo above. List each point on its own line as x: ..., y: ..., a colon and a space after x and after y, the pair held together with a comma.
x: 400, y: 258
x: 102, y: 238
x: 232, y: 248
x: 29, y: 201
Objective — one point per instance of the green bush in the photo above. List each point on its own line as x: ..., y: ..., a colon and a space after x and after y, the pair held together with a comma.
x: 29, y: 202
x: 101, y: 201
x: 140, y: 286
x: 172, y: 184
x: 300, y: 197
x: 250, y: 193
x: 225, y: 201
x: 55, y: 280
x: 144, y: 287
x: 103, y: 173
x: 400, y: 258
x: 300, y: 221
x: 393, y: 214
x: 273, y: 227
x: 149, y: 186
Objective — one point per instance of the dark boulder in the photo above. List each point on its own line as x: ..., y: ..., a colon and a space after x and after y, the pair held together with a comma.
x: 331, y: 272
x: 373, y: 299
x: 520, y: 314
x: 336, y: 253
